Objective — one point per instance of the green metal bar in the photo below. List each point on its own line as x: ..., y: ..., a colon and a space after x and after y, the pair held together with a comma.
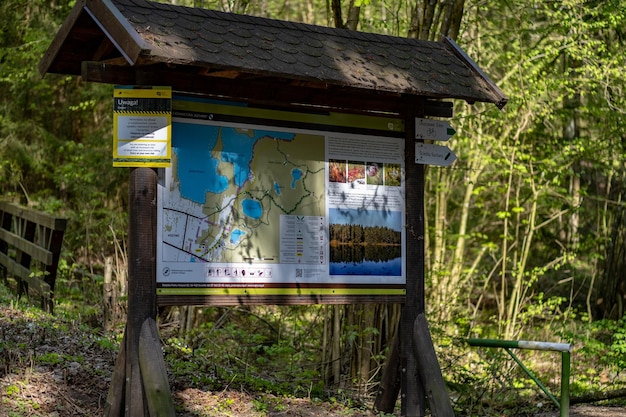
x: 565, y: 374
x: 564, y: 348
x: 521, y: 344
x: 533, y: 377
x: 493, y: 343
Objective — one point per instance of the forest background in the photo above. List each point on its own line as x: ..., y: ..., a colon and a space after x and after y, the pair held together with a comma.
x: 526, y: 233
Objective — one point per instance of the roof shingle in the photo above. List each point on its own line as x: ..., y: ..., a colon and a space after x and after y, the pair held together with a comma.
x: 253, y: 46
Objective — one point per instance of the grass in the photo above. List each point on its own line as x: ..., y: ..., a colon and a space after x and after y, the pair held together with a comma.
x: 273, y: 355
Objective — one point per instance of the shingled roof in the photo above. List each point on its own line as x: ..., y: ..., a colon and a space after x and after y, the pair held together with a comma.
x: 199, y: 50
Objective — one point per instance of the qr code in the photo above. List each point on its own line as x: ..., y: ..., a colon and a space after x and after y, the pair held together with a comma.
x: 298, y: 272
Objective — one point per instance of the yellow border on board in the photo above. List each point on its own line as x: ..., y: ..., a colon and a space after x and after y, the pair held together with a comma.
x: 280, y: 291
x: 149, y: 163
x: 382, y: 123
x: 150, y: 92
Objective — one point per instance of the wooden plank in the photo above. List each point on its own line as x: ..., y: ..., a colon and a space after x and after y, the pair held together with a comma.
x: 153, y: 371
x: 35, y: 216
x: 15, y: 269
x: 438, y: 108
x: 5, y: 223
x: 34, y: 250
x: 267, y: 91
x: 28, y: 229
x: 118, y: 29
x: 55, y: 242
x: 430, y: 373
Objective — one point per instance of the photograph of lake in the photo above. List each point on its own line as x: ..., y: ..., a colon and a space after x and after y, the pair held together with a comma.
x: 365, y: 242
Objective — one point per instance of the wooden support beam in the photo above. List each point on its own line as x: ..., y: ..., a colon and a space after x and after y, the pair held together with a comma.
x: 127, y: 394
x: 429, y: 371
x: 412, y: 392
x: 153, y: 371
x: 141, y: 279
x: 413, y: 360
x: 266, y: 91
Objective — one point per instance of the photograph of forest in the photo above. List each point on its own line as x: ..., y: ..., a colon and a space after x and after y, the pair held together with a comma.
x: 365, y: 242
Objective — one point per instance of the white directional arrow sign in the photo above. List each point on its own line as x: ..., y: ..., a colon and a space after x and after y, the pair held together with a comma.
x: 429, y: 154
x: 429, y: 129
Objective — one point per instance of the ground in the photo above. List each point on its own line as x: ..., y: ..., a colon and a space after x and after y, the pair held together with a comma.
x: 57, y: 369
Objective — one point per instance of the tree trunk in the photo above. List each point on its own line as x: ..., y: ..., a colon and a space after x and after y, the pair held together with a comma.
x: 354, y: 13
x: 436, y: 19
x: 612, y: 288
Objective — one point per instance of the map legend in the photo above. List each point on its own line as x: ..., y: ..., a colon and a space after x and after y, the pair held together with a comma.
x: 302, y: 240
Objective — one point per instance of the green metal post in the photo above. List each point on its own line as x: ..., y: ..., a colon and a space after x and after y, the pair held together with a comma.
x: 565, y: 367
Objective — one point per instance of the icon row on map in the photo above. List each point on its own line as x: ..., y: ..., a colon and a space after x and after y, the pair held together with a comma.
x: 238, y: 272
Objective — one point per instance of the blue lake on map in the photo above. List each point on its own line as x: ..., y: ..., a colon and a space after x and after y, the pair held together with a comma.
x: 296, y: 175
x: 252, y: 208
x: 198, y: 168
x: 236, y: 236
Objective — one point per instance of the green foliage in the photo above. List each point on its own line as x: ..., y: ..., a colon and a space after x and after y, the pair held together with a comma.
x: 12, y: 390
x: 606, y: 340
x: 527, y: 205
x: 55, y: 133
x: 255, y: 349
x: 268, y: 403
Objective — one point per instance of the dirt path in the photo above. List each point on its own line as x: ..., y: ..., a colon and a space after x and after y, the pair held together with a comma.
x: 586, y: 410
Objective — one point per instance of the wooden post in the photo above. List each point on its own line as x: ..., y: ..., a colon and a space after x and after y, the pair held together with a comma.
x: 412, y: 389
x: 114, y: 404
x: 142, y: 222
x: 27, y: 230
x: 415, y: 365
x: 110, y: 299
x: 157, y: 390
x: 130, y: 399
x: 53, y: 241
x: 5, y: 223
x: 400, y: 373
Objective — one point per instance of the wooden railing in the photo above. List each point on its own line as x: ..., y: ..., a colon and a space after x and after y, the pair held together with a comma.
x: 30, y: 248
